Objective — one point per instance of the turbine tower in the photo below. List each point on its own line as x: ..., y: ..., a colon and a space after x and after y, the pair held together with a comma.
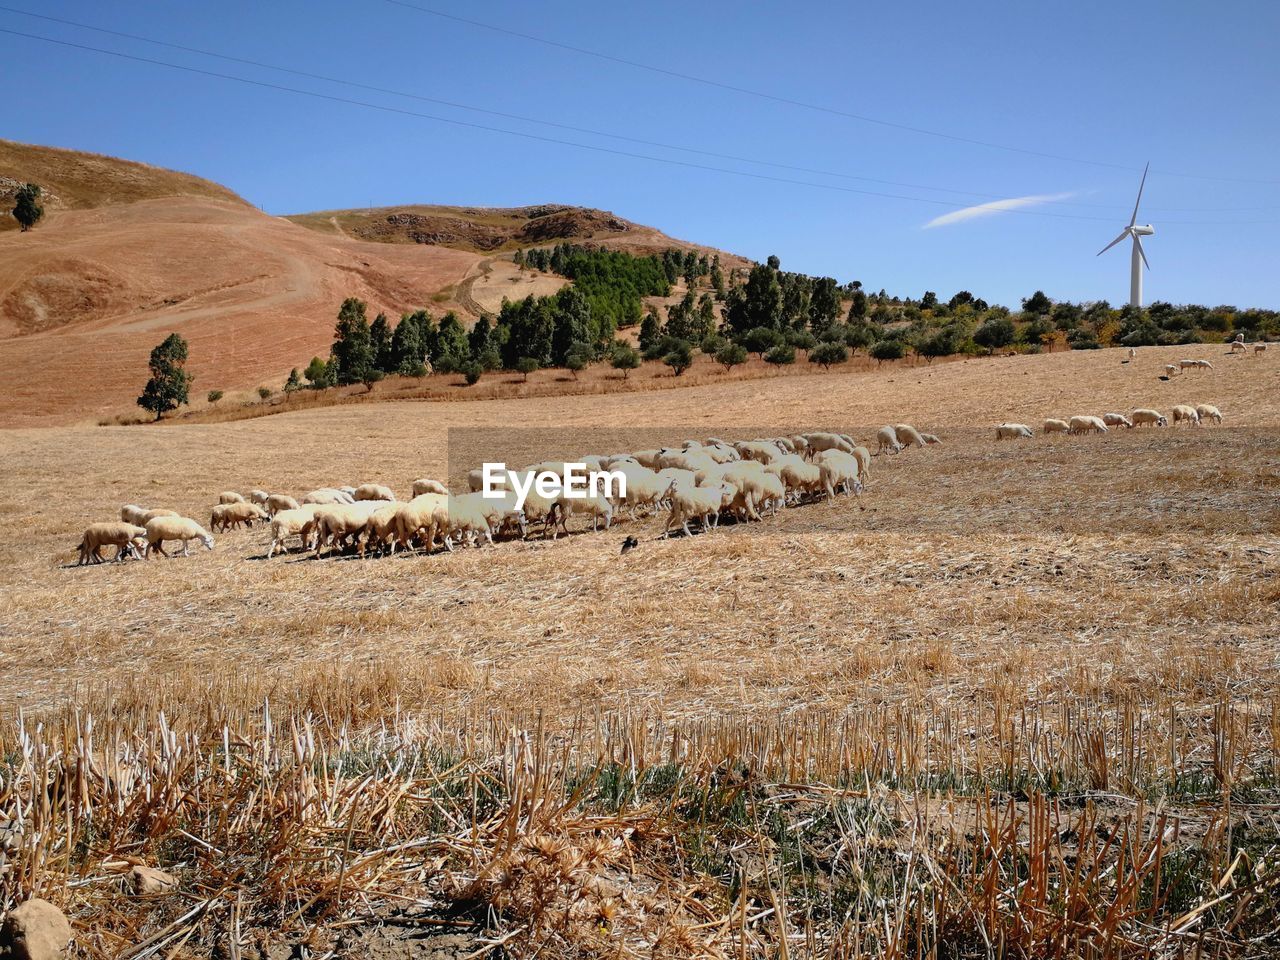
x: 1138, y: 259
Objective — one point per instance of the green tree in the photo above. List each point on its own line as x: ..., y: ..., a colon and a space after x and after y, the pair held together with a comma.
x: 471, y: 372
x: 380, y: 344
x: 572, y: 324
x: 883, y: 350
x: 264, y: 392
x: 213, y: 396
x: 650, y: 330
x: 1037, y: 303
x: 408, y: 351
x: 827, y: 353
x: 824, y: 303
x: 995, y: 333
x: 294, y: 383
x: 577, y: 358
x: 526, y: 366
x: 27, y: 208
x: 680, y: 357
x: 624, y: 357
x: 731, y: 355
x: 169, y: 384
x: 352, y: 349
x: 782, y: 354
x: 760, y: 340
x: 857, y: 306
x: 758, y: 303
x: 318, y: 374
x: 453, y: 347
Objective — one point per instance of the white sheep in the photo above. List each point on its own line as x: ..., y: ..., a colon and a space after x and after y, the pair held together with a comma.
x: 930, y: 438
x: 1208, y: 411
x: 1054, y: 425
x: 280, y: 501
x: 467, y: 520
x: 1259, y: 348
x: 230, y: 496
x: 160, y: 529
x: 1195, y: 364
x: 289, y: 523
x: 228, y: 515
x: 373, y: 491
x: 380, y: 531
x: 748, y: 477
x: 138, y: 516
x: 1238, y: 346
x: 1148, y: 418
x: 1086, y: 424
x: 887, y: 439
x: 338, y: 523
x: 815, y: 443
x: 647, y: 458
x: 1116, y: 420
x: 1012, y: 431
x: 1171, y: 369
x: 429, y: 486
x: 800, y: 478
x: 597, y: 508
x: 259, y: 497
x: 1184, y: 413
x: 840, y: 473
x: 424, y: 517
x: 697, y: 503
x: 908, y: 435
x: 644, y: 487
x: 325, y: 496
x: 116, y: 533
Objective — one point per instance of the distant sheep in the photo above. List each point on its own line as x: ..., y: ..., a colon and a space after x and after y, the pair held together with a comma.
x: 138, y: 516
x: 887, y: 439
x: 230, y: 496
x: 279, y: 501
x: 1182, y: 413
x: 1077, y: 425
x: 1238, y: 346
x: 930, y: 438
x: 1056, y: 426
x: 228, y: 515
x: 1259, y: 348
x: 1207, y: 411
x: 325, y: 496
x: 1116, y: 420
x: 116, y: 533
x: 429, y: 486
x: 1195, y: 364
x: 815, y: 443
x: 160, y: 529
x: 908, y: 435
x: 1013, y: 431
x: 373, y: 491
x: 1148, y: 418
x: 840, y: 473
x: 1172, y: 369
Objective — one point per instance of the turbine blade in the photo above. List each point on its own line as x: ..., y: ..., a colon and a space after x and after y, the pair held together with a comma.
x: 1141, y: 184
x: 1123, y: 233
x: 1142, y: 253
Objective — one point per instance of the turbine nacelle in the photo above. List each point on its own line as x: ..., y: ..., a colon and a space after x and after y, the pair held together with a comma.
x: 1143, y: 231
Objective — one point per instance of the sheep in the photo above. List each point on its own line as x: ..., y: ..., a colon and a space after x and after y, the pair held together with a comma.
x: 697, y: 503
x: 887, y: 438
x: 1172, y: 369
x: 1086, y: 425
x: 748, y: 478
x: 337, y: 523
x: 259, y: 497
x: 647, y: 458
x: 1195, y: 364
x: 863, y: 456
x: 1012, y: 431
x: 1133, y: 353
x: 1149, y: 418
x: 1259, y: 348
x: 160, y: 529
x: 228, y: 515
x: 799, y: 477
x: 379, y: 530
x: 1237, y: 346
x: 467, y: 519
x: 815, y: 443
x: 230, y: 496
x: 693, y: 461
x: 373, y: 491
x: 501, y: 509
x: 326, y: 496
x: 138, y: 516
x: 1183, y: 412
x: 118, y: 534
x: 1053, y: 425
x: 279, y: 501
x: 721, y: 452
x: 597, y: 508
x: 840, y: 471
x: 289, y: 523
x: 668, y: 475
x: 644, y: 487
x: 773, y: 492
x: 802, y: 445
x: 429, y: 486
x: 908, y: 435
x: 422, y: 517
x: 1116, y: 420
x: 1207, y: 411
x: 930, y: 438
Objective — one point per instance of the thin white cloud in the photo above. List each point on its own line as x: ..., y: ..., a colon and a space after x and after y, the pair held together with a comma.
x: 993, y: 207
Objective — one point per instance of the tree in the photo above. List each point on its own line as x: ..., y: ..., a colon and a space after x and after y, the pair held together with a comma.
x: 941, y: 344
x: 408, y: 350
x: 680, y: 357
x: 827, y: 353
x: 27, y: 209
x: 929, y: 300
x: 484, y: 349
x: 760, y: 340
x: 572, y: 323
x: 824, y: 303
x: 883, y: 350
x: 380, y: 344
x: 801, y: 339
x: 773, y: 263
x: 471, y: 372
x: 624, y: 357
x: 213, y: 396
x: 526, y: 366
x: 169, y: 384
x: 352, y: 349
x: 294, y: 383
x: 454, y: 350
x: 857, y: 306
x: 782, y: 354
x: 682, y: 319
x: 318, y: 374
x: 859, y: 336
x: 650, y: 330
x: 577, y: 358
x: 1037, y: 303
x: 758, y: 303
x: 730, y: 355
x: 264, y: 392
x: 995, y: 333
x: 711, y: 344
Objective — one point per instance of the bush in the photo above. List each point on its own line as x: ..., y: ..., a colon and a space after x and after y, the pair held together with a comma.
x: 264, y: 392
x: 578, y: 358
x: 760, y: 340
x: 1082, y: 339
x: 293, y: 383
x: 624, y: 357
x: 471, y: 372
x: 680, y: 357
x: 213, y: 396
x: 883, y: 350
x: 827, y: 353
x: 994, y: 334
x: 526, y: 366
x: 712, y: 344
x: 801, y: 339
x: 730, y: 355
x: 780, y: 355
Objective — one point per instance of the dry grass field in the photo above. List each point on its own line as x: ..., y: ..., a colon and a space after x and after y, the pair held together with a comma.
x: 1022, y: 705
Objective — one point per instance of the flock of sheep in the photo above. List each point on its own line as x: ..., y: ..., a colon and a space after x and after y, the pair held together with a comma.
x: 1144, y: 417
x: 697, y: 482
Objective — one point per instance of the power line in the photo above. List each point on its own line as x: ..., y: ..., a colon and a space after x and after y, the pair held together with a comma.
x: 543, y: 139
x: 763, y: 95
x: 586, y: 130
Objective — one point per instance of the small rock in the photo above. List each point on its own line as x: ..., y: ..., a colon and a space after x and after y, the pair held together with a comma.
x: 36, y: 930
x: 149, y: 880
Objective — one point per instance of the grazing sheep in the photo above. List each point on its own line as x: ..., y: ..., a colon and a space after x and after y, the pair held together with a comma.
x: 887, y: 440
x: 259, y: 497
x: 1149, y: 418
x: 279, y: 501
x: 422, y: 518
x: 467, y: 520
x: 1079, y: 425
x: 1184, y: 413
x: 1053, y: 425
x: 908, y: 435
x: 118, y: 534
x: 1207, y: 411
x: 289, y: 523
x: 773, y: 492
x: 815, y: 443
x: 337, y: 524
x: 800, y: 478
x: 1012, y: 431
x: 1259, y: 348
x: 721, y: 452
x: 748, y: 478
x: 697, y: 503
x: 1116, y: 420
x: 644, y: 487
x: 230, y: 496
x: 373, y: 491
x: 325, y: 496
x: 1237, y: 346
x: 380, y: 531
x: 840, y: 473
x: 647, y: 458
x: 138, y: 516
x: 1171, y: 369
x: 930, y: 438
x: 228, y: 515
x: 429, y: 486
x: 597, y: 508
x: 1133, y: 353
x: 160, y: 529
x: 1195, y: 364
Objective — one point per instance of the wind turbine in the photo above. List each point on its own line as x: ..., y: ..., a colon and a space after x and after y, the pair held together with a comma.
x: 1135, y: 267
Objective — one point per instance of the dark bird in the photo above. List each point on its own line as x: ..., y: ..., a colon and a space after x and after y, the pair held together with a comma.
x: 630, y: 544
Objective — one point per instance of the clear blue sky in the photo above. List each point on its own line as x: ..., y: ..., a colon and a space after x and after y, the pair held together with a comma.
x: 1190, y: 86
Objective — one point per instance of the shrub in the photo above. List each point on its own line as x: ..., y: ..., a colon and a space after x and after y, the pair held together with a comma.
x: 730, y: 355
x: 578, y: 358
x: 760, y: 340
x: 213, y: 396
x: 712, y: 344
x: 801, y: 339
x: 471, y: 372
x: 827, y: 353
x: 780, y: 355
x: 526, y: 366
x: 994, y: 334
x: 624, y: 357
x: 264, y: 392
x: 883, y: 350
x: 680, y: 357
